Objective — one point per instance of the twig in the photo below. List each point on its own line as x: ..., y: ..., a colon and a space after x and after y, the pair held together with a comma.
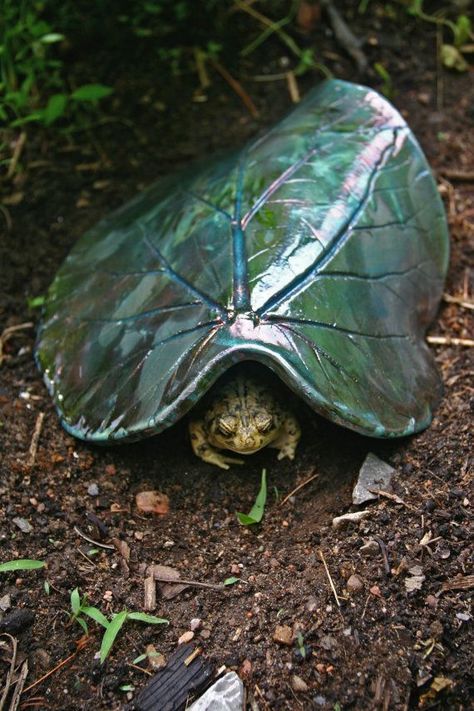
x: 458, y: 300
x: 34, y: 702
x: 439, y: 70
x: 392, y: 497
x: 321, y: 555
x: 7, y: 216
x: 8, y: 332
x: 34, y: 440
x: 195, y: 653
x: 293, y: 87
x: 183, y: 581
x: 19, y: 684
x: 383, y: 550
x: 91, y: 540
x: 461, y: 175
x: 80, y: 645
x: 300, y: 486
x: 449, y: 341
x: 91, y: 562
x: 19, y: 145
x: 365, y: 607
x: 135, y: 666
x: 345, y: 36
x: 200, y: 61
x: 269, y: 77
x: 236, y: 86
x: 11, y: 671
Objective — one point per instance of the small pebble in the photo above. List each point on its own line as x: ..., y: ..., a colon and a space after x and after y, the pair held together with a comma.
x: 205, y: 634
x: 320, y: 700
x: 93, y: 490
x: 283, y: 635
x: 431, y: 601
x: 195, y: 624
x: 186, y: 637
x: 298, y: 683
x: 24, y: 525
x: 226, y: 694
x: 355, y: 517
x: 311, y: 604
x: 16, y: 621
x: 156, y: 660
x: 354, y: 584
x: 5, y: 602
x: 327, y: 642
x: 374, y: 474
x: 245, y: 669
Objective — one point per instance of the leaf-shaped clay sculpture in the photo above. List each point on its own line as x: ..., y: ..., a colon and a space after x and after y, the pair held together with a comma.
x: 319, y: 251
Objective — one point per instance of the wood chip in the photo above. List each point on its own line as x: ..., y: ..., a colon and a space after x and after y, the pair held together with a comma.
x: 149, y: 602
x: 152, y: 502
x: 465, y: 582
x: 354, y: 517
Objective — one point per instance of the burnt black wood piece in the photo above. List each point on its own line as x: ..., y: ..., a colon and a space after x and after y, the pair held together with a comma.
x: 170, y: 688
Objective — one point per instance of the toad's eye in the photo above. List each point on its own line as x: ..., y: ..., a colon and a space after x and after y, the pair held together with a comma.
x: 227, y: 424
x: 264, y: 422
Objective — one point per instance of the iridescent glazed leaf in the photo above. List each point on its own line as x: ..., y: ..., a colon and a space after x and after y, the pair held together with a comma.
x: 320, y: 251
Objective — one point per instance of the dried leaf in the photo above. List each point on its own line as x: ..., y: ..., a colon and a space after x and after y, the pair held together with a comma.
x: 171, y: 589
x: 437, y: 685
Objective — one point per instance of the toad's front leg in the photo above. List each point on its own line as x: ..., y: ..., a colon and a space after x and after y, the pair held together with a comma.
x: 288, y: 439
x: 204, y: 450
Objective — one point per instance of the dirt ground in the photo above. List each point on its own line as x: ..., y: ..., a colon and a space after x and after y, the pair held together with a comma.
x: 381, y: 646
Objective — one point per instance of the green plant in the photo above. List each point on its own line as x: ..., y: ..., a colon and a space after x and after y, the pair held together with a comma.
x: 116, y: 624
x: 21, y: 564
x: 80, y: 609
x: 301, y: 645
x: 231, y: 581
x: 255, y: 514
x: 387, y: 85
x: 33, y: 86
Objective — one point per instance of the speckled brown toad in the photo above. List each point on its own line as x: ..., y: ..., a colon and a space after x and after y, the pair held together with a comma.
x: 243, y: 416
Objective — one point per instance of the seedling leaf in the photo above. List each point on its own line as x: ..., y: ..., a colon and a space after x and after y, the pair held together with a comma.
x: 96, y: 615
x: 256, y: 513
x: 91, y: 92
x: 36, y: 301
x: 75, y: 601
x: 111, y: 633
x: 149, y: 619
x: 231, y: 581
x: 83, y: 624
x: 21, y: 564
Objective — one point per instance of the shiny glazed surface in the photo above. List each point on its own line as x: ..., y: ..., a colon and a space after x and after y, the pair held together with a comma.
x: 319, y: 250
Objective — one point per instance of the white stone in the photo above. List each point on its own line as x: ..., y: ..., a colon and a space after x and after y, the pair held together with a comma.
x: 227, y: 694
x: 373, y: 474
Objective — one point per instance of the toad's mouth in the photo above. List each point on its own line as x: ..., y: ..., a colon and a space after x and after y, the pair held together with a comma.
x: 246, y: 450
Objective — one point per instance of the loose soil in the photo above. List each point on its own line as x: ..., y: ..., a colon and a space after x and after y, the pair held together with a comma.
x: 381, y: 647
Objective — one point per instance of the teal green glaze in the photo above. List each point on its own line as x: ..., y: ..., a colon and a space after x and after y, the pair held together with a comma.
x: 319, y: 250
